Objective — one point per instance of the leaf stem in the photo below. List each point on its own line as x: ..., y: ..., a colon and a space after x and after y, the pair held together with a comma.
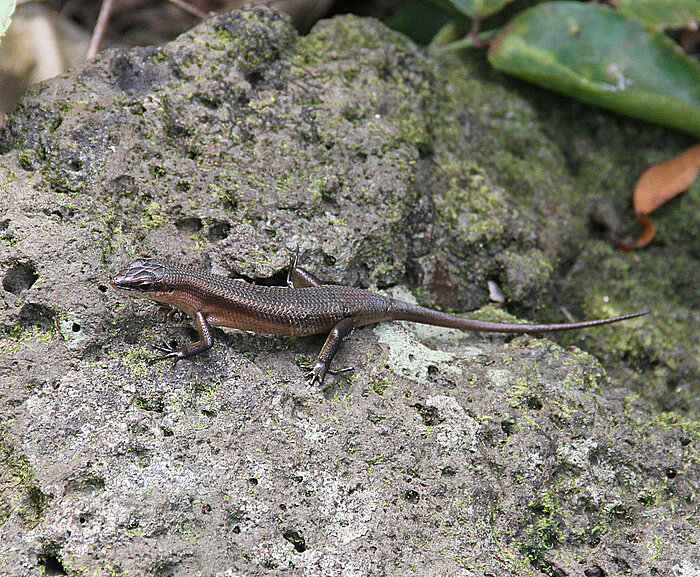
x: 469, y: 41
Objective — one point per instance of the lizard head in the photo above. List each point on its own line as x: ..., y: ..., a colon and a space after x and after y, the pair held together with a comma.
x: 142, y: 278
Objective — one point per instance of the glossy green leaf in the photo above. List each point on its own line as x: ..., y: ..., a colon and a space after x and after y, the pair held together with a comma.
x: 663, y: 14
x: 593, y: 53
x: 471, y: 8
x: 7, y: 7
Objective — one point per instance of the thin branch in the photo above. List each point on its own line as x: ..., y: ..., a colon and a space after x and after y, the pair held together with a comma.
x: 99, y: 30
x: 187, y: 7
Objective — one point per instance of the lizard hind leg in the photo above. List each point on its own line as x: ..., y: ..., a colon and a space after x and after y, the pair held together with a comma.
x: 322, y: 367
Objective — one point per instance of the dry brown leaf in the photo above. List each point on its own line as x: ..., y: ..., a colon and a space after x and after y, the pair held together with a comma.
x: 663, y: 181
x: 643, y: 238
x: 658, y: 184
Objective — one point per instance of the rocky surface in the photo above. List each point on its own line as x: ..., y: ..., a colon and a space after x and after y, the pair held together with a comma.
x: 443, y: 453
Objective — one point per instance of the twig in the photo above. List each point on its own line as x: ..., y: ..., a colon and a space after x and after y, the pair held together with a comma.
x: 99, y: 30
x: 187, y: 7
x: 567, y: 314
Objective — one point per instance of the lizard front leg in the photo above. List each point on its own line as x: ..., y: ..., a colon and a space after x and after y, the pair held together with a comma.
x: 205, y: 342
x: 297, y: 277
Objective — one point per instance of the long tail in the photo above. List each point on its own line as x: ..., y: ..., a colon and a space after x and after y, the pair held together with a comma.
x: 402, y: 311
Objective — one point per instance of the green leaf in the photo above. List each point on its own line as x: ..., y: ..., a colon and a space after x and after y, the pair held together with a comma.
x: 663, y: 14
x: 7, y: 7
x: 420, y: 20
x: 594, y: 54
x: 471, y: 8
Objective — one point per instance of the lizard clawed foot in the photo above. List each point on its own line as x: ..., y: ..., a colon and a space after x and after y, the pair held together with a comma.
x: 339, y: 371
x: 170, y: 353
x: 172, y: 312
x: 317, y: 373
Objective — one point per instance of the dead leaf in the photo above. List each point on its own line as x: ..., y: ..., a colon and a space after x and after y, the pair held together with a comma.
x: 663, y: 181
x: 643, y: 238
x: 658, y: 184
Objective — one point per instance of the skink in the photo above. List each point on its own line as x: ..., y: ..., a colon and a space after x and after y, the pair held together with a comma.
x: 305, y: 307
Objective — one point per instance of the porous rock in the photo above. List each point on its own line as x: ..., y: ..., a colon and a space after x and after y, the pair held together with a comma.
x: 443, y: 454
